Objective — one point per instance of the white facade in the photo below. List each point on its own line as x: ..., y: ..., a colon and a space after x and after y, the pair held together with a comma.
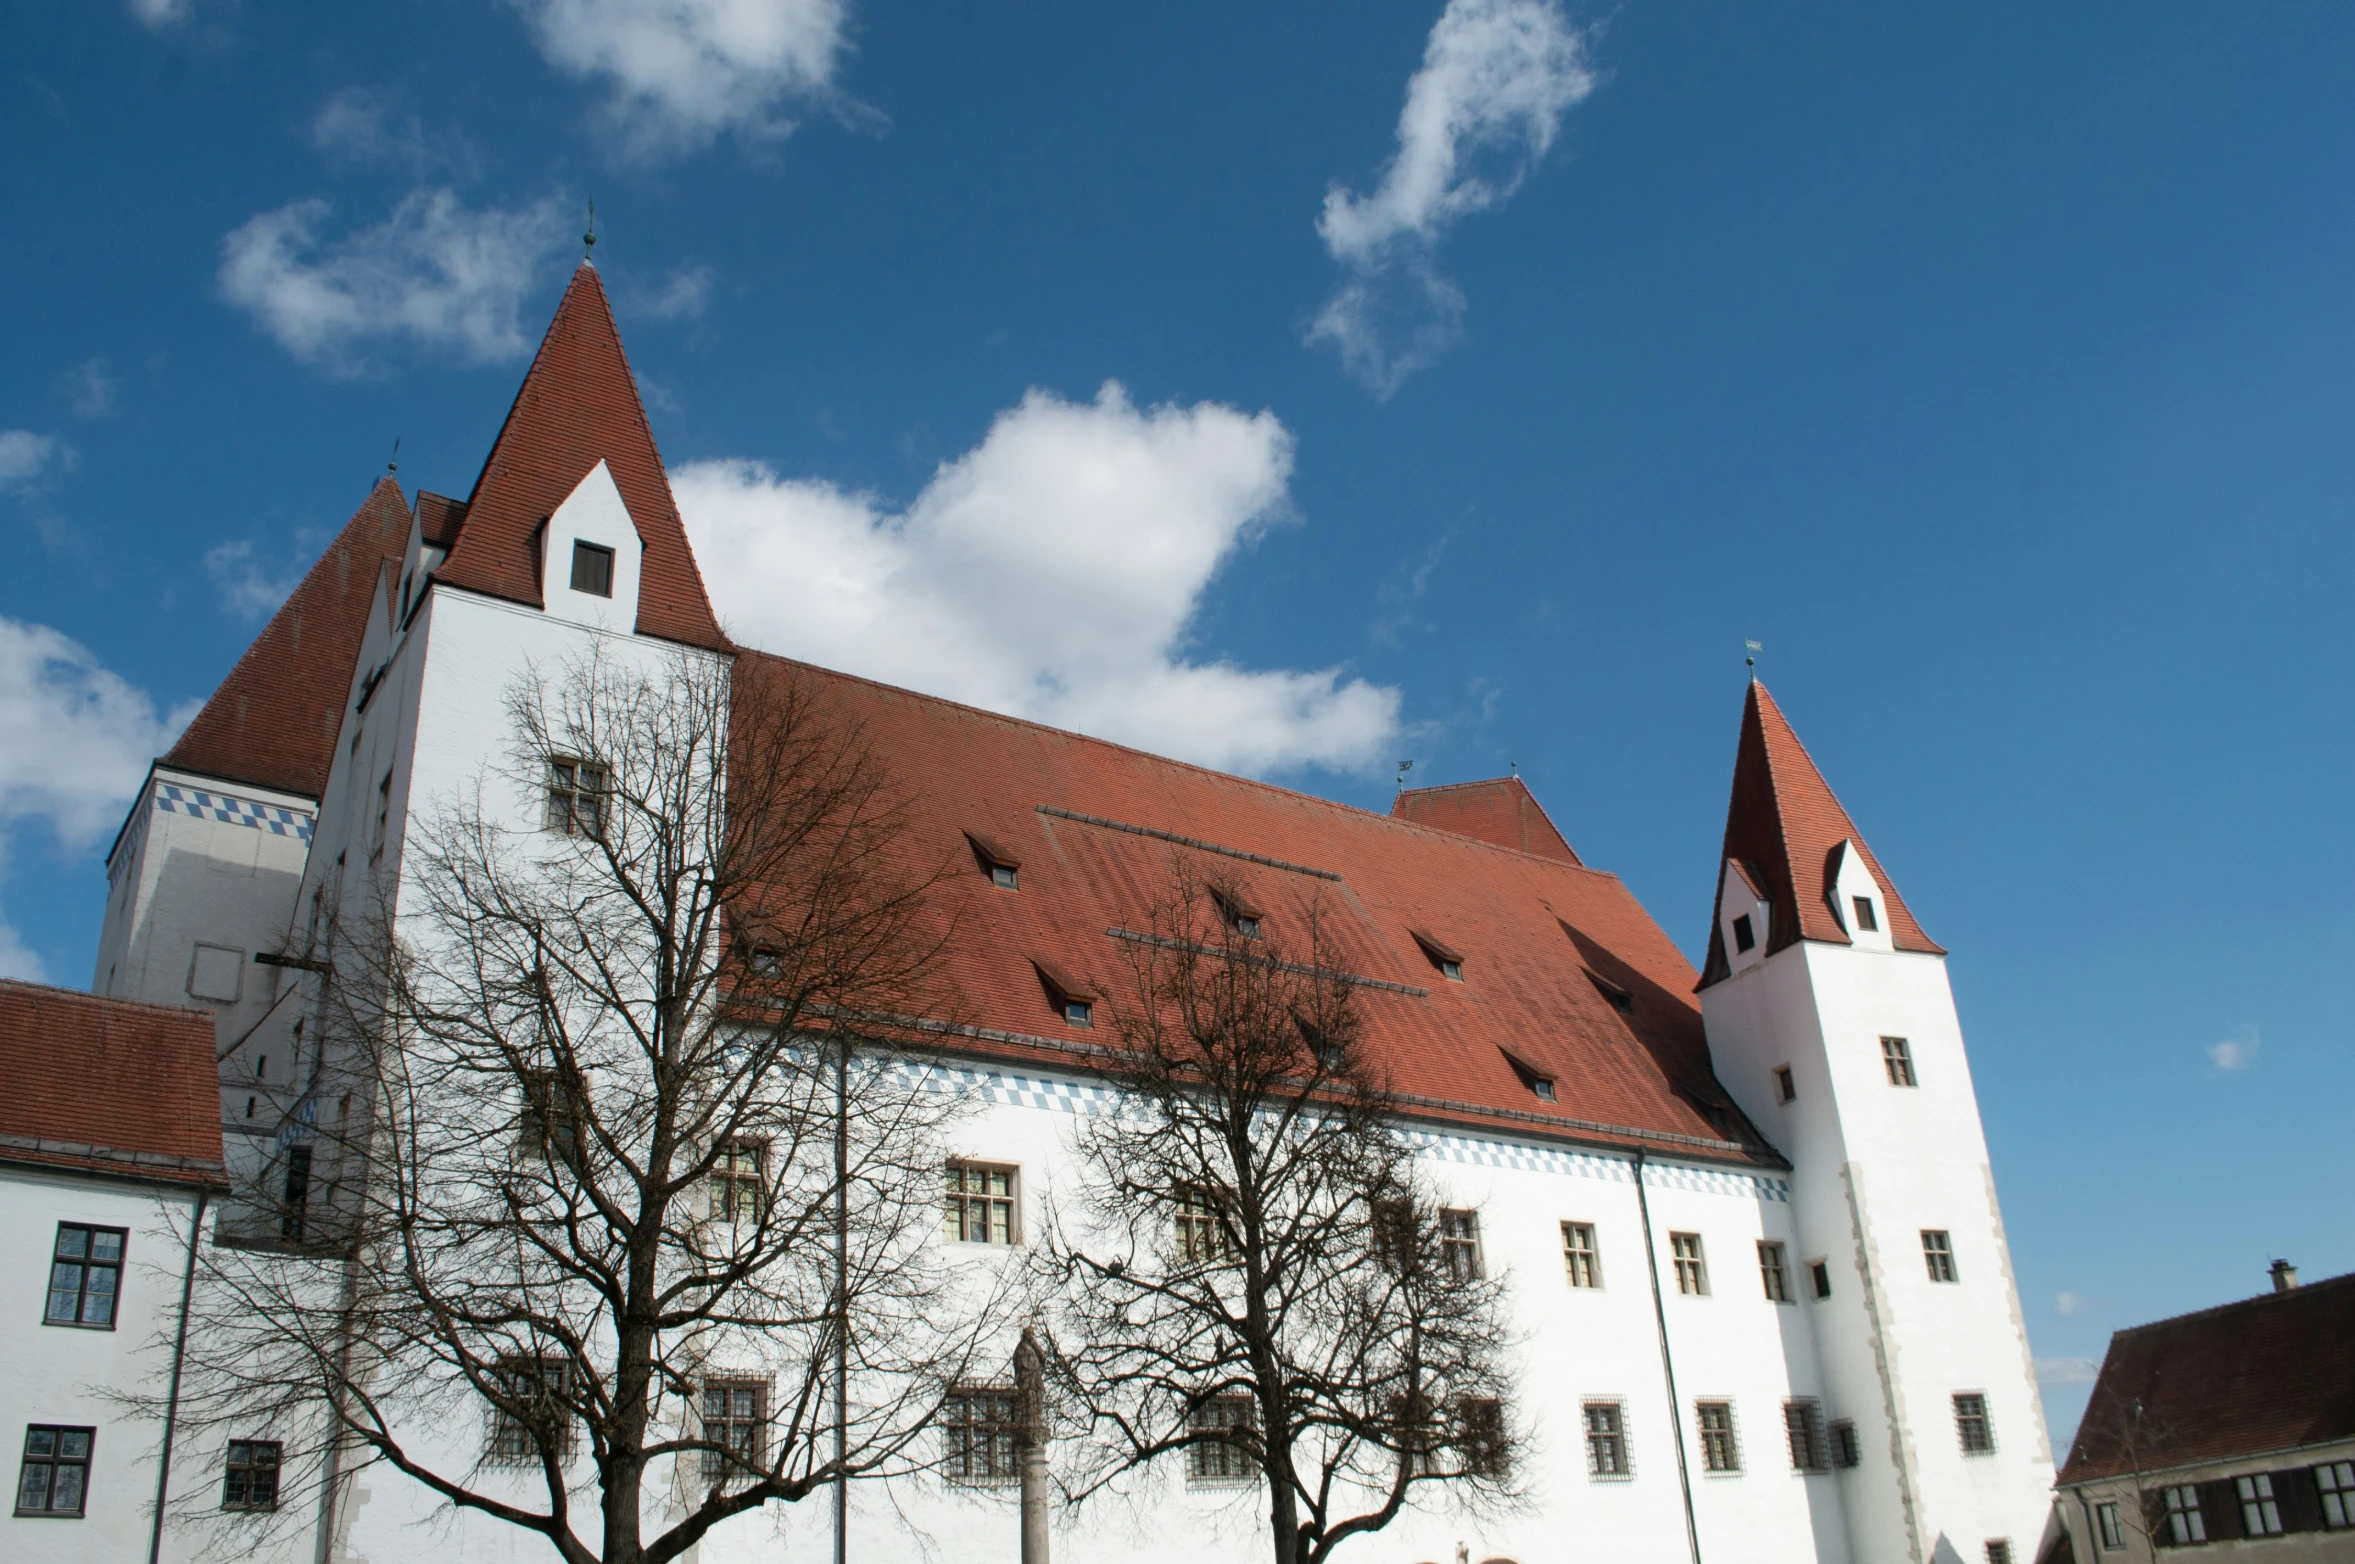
x: 69, y: 1376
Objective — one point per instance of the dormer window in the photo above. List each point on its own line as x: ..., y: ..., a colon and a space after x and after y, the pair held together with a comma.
x: 1002, y: 867
x: 1540, y: 1084
x: 1239, y: 914
x: 1744, y: 939
x: 592, y: 569
x: 1073, y: 998
x: 1447, y: 959
x: 1866, y: 918
x: 1618, y: 998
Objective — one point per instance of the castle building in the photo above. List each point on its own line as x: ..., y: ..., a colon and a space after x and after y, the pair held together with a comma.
x: 1756, y: 1266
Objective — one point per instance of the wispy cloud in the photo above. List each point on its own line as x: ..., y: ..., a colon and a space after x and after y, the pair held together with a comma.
x: 1051, y: 572
x: 2065, y: 1304
x: 2235, y: 1053
x: 1495, y: 80
x: 29, y: 460
x: 160, y: 14
x: 681, y: 72
x: 89, y: 388
x: 2067, y: 1371
x: 435, y: 274
x: 75, y: 737
x: 247, y: 591
x: 681, y: 296
x: 374, y: 127
x: 1403, y: 589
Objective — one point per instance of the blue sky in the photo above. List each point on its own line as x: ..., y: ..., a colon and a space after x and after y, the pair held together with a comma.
x: 1481, y: 375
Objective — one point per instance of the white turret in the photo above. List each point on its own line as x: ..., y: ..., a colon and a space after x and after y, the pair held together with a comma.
x: 1830, y: 1020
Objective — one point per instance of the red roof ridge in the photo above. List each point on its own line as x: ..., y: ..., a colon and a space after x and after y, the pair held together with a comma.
x: 1165, y: 760
x: 2254, y: 1300
x: 579, y: 405
x: 273, y: 721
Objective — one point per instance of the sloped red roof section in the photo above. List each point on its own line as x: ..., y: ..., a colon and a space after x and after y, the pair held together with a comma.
x: 1098, y: 827
x: 579, y: 406
x: 2271, y: 1373
x: 273, y: 721
x: 439, y: 518
x: 158, y: 1114
x: 1501, y: 811
x: 1783, y: 826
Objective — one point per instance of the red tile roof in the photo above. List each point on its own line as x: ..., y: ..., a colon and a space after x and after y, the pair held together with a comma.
x: 274, y: 720
x: 2271, y: 1373
x: 579, y: 405
x: 1500, y: 810
x: 439, y: 518
x: 106, y: 1085
x: 1783, y: 826
x: 1095, y: 827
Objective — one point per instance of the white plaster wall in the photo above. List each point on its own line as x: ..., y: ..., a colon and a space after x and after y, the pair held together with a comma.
x: 63, y: 1374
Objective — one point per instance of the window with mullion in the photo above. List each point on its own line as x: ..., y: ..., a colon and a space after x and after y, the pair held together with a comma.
x: 576, y: 797
x: 1897, y: 1059
x: 735, y: 1417
x: 981, y: 1204
x: 1773, y: 1274
x: 1606, y: 1439
x: 1938, y: 1255
x: 980, y: 1424
x: 2185, y: 1524
x: 2260, y: 1513
x: 1692, y: 1272
x: 85, y: 1275
x: 1223, y: 1453
x: 1971, y: 1425
x: 2336, y: 1483
x: 55, y: 1476
x: 738, y: 1181
x: 1459, y: 1244
x: 1719, y: 1453
x: 1580, y: 1259
x: 251, y: 1482
x: 1201, y: 1231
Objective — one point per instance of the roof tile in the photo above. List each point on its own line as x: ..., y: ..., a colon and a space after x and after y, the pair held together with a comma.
x: 159, y: 1112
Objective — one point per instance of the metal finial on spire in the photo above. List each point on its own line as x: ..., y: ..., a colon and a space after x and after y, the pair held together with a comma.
x: 394, y: 464
x: 589, y: 239
x: 1513, y: 766
x: 1751, y: 662
x: 1404, y: 767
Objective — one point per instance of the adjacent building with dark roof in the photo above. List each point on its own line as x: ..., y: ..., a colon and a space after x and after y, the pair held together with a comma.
x: 2226, y: 1434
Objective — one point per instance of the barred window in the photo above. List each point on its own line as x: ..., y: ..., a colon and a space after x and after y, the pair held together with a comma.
x: 1480, y: 1435
x: 1222, y: 1453
x: 2260, y: 1514
x: 1459, y: 1244
x: 981, y: 1425
x: 1692, y: 1275
x: 1971, y: 1425
x: 981, y: 1204
x: 1719, y: 1453
x: 251, y: 1482
x: 1579, y: 1257
x: 530, y: 1412
x: 576, y: 797
x: 554, y: 1112
x: 1773, y: 1274
x: 1803, y: 1427
x: 735, y: 1417
x: 1999, y: 1549
x: 739, y: 1180
x: 85, y: 1275
x: 1938, y: 1255
x: 1201, y: 1229
x: 1897, y: 1059
x: 2337, y: 1484
x: 2181, y: 1510
x: 55, y: 1476
x: 1606, y: 1439
x: 1846, y: 1451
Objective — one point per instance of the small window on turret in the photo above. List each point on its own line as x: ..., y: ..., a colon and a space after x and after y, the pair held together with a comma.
x: 1743, y: 938
x: 1866, y: 919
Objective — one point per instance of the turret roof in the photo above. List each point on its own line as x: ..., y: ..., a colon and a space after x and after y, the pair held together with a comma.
x: 1784, y: 827
x: 273, y: 721
x: 579, y: 405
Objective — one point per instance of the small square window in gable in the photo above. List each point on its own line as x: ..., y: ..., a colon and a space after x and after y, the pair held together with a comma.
x: 592, y: 569
x: 997, y: 861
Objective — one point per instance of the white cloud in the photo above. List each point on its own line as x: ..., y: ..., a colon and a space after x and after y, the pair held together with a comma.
x: 682, y: 296
x: 2067, y: 1371
x: 1052, y: 572
x: 683, y: 71
x: 161, y: 13
x: 89, y: 388
x: 1484, y: 107
x: 247, y: 592
x: 2068, y: 1303
x: 26, y: 459
x: 370, y: 127
x: 2235, y: 1053
x: 75, y: 738
x: 17, y: 959
x: 434, y: 273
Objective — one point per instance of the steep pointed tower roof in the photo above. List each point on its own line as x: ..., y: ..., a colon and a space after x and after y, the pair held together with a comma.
x: 1784, y: 827
x: 273, y: 721
x: 579, y: 406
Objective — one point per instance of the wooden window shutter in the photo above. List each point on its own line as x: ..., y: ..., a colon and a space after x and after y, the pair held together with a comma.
x: 2299, y: 1499
x: 2220, y: 1507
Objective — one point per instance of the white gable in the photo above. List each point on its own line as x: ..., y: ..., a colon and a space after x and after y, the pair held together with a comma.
x: 593, y: 516
x: 1741, y: 912
x: 1858, y: 900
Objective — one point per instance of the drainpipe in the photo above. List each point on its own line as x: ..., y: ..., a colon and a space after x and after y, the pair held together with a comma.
x: 1684, y: 1475
x: 842, y: 1300
x: 163, y: 1477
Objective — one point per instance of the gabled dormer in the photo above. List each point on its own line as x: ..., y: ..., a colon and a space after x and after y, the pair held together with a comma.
x: 1858, y: 899
x: 589, y: 557
x: 1745, y: 917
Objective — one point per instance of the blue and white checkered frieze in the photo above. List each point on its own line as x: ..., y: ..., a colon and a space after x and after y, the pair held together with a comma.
x: 171, y: 799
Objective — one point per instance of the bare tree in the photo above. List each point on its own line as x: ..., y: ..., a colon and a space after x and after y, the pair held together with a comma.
x: 1255, y: 1283
x: 627, y: 1192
